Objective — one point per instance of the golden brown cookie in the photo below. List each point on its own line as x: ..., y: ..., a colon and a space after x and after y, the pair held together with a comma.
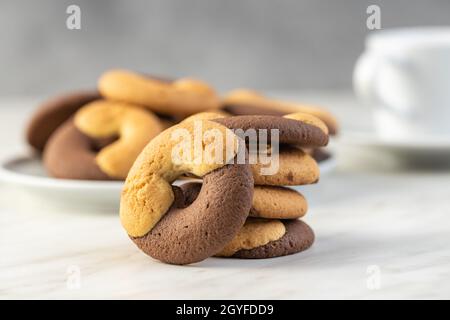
x: 254, y: 233
x: 277, y: 203
x: 261, y: 239
x: 294, y: 167
x: 134, y: 127
x: 181, y: 97
x: 268, y: 202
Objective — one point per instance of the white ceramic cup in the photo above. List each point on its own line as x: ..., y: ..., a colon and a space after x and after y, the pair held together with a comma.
x: 404, y: 75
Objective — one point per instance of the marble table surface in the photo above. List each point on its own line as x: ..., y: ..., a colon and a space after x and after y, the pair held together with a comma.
x: 383, y: 232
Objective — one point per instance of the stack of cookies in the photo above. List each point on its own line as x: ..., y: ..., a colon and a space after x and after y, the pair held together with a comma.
x: 273, y: 227
x: 239, y: 210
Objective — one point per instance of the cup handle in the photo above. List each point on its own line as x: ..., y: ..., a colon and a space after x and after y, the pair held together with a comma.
x: 364, y: 78
x: 367, y: 74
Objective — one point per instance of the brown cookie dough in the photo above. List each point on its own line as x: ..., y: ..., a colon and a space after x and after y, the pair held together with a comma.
x: 320, y: 155
x: 298, y: 237
x: 52, y: 113
x: 236, y: 109
x: 291, y: 131
x: 70, y: 154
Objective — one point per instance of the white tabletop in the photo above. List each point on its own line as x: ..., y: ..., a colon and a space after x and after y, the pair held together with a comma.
x: 383, y: 231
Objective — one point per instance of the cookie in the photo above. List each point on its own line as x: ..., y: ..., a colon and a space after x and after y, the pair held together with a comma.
x: 295, y: 167
x: 255, y: 233
x: 249, y: 102
x: 277, y: 203
x: 70, y: 154
x: 297, y: 237
x: 181, y: 97
x: 320, y: 155
x: 151, y: 211
x: 133, y: 126
x: 268, y: 202
x: 52, y: 113
x: 193, y: 230
x: 290, y: 131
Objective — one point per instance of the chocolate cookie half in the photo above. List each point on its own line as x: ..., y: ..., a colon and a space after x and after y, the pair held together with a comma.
x: 202, y: 219
x: 70, y: 154
x: 52, y: 113
x: 290, y: 131
x: 297, y: 237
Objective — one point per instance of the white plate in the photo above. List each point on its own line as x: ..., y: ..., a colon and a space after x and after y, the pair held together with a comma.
x: 27, y: 173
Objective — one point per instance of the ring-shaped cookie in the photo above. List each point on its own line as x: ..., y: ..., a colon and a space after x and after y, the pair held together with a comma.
x: 133, y: 126
x: 290, y: 131
x: 249, y: 102
x: 180, y: 97
x: 70, y: 154
x: 262, y: 239
x: 54, y: 112
x: 153, y: 214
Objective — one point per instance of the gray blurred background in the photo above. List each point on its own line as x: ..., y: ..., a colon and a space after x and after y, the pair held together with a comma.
x: 265, y: 44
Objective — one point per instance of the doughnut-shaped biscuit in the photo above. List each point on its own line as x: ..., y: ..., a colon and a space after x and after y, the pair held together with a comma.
x: 268, y: 202
x: 134, y: 127
x: 272, y: 202
x: 52, y: 113
x: 254, y: 233
x: 309, y: 119
x: 249, y: 102
x: 193, y: 230
x: 291, y: 131
x: 158, y: 221
x: 181, y: 97
x: 298, y: 236
x: 295, y: 168
x: 70, y: 154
